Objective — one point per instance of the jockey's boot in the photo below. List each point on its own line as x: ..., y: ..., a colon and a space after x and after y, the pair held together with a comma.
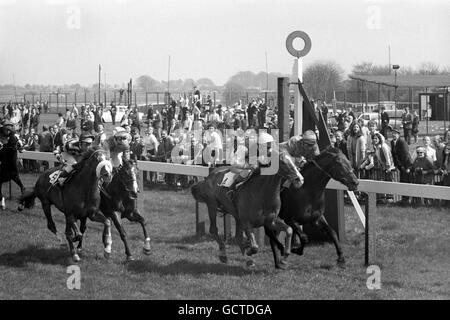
x: 63, y: 177
x: 241, y: 178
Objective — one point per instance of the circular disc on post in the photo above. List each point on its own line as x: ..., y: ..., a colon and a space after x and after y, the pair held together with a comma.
x: 290, y: 44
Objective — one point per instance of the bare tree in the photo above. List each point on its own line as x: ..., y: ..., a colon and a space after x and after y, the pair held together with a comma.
x: 321, y: 77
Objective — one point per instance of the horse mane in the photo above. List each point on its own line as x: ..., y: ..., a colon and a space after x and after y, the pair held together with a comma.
x: 323, y: 153
x: 88, y: 154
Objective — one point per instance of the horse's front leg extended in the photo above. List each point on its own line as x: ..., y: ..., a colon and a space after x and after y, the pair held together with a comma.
x: 134, y: 216
x: 95, y: 214
x: 83, y: 227
x: 322, y: 223
x: 123, y: 235
x: 69, y: 222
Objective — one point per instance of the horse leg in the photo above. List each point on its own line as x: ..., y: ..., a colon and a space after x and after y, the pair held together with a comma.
x: 254, y: 248
x: 302, y: 236
x: 279, y: 225
x: 214, y: 231
x: 50, y: 223
x: 322, y: 222
x: 83, y: 227
x: 69, y: 222
x: 123, y: 235
x: 276, y: 247
x: 2, y: 200
x: 95, y: 215
x: 134, y: 216
x: 17, y: 180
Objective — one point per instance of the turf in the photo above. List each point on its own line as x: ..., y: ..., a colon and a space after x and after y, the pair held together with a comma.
x: 412, y: 252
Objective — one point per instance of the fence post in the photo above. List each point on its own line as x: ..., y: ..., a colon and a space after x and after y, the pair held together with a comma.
x: 370, y: 239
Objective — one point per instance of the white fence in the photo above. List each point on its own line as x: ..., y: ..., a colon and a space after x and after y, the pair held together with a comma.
x: 369, y: 186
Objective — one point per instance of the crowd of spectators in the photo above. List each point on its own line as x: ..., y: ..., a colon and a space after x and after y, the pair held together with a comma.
x: 382, y: 154
x: 375, y: 152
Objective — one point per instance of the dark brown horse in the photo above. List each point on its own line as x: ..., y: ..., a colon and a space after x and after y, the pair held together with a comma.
x: 9, y: 146
x: 306, y: 205
x: 119, y: 200
x: 78, y: 199
x: 256, y: 204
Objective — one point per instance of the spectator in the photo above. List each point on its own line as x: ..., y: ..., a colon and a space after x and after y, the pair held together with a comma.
x: 214, y: 144
x: 262, y: 112
x: 415, y: 126
x: 356, y: 146
x: 367, y: 165
x: 34, y: 119
x: 430, y: 153
x: 423, y: 171
x: 341, y: 143
x: 113, y: 112
x: 407, y: 120
x: 136, y: 146
x: 163, y: 154
x: 372, y: 129
x: 384, y: 163
x: 402, y: 159
x: 60, y: 122
x: 45, y: 143
x: 444, y: 166
x: 384, y: 122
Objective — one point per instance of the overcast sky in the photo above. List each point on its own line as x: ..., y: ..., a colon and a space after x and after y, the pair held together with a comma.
x: 63, y: 41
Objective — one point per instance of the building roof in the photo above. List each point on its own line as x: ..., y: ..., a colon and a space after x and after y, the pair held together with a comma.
x: 421, y: 81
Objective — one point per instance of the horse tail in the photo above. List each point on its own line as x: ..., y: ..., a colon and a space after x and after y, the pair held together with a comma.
x: 196, y: 191
x: 27, y: 200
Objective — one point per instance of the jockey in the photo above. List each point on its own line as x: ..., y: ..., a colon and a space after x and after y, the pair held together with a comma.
x: 117, y: 146
x: 297, y: 150
x: 72, y: 154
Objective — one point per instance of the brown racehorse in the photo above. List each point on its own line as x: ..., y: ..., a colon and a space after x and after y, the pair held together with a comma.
x: 306, y: 205
x: 118, y: 201
x: 78, y: 199
x: 256, y: 204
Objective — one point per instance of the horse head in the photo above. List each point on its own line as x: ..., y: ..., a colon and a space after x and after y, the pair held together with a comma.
x: 126, y: 176
x: 96, y: 160
x: 333, y: 163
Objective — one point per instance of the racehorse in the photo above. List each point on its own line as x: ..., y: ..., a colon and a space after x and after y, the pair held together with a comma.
x: 256, y: 204
x: 9, y: 145
x: 306, y: 205
x: 78, y: 199
x: 118, y: 201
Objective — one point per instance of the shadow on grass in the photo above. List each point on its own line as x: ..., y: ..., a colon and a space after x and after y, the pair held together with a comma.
x: 191, y: 268
x: 192, y: 239
x: 33, y: 254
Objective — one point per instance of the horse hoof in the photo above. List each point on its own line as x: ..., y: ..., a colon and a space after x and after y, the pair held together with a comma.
x: 129, y: 259
x: 252, y: 251
x: 341, y: 261
x: 107, y: 255
x: 223, y: 259
x: 250, y: 263
x: 20, y: 207
x: 298, y: 251
x: 147, y: 251
x: 76, y: 258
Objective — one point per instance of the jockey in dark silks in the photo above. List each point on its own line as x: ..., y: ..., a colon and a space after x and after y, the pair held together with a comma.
x: 117, y: 146
x: 9, y: 145
x: 72, y: 153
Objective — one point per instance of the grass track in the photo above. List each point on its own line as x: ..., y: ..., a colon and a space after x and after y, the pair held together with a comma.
x: 413, y: 254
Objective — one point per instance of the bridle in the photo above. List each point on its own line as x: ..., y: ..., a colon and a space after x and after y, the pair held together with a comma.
x: 314, y: 162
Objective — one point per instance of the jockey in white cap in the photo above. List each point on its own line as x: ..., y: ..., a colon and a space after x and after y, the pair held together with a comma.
x: 297, y: 150
x: 71, y: 154
x: 117, y: 146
